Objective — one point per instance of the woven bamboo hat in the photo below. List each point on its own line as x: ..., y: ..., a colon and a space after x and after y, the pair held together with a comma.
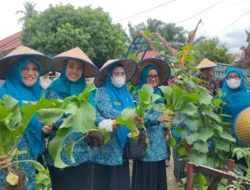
x: 90, y: 70
x: 22, y: 52
x: 206, y: 63
x: 129, y: 64
x: 162, y: 66
x: 241, y: 127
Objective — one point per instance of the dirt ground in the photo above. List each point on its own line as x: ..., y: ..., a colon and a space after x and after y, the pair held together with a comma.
x: 172, y: 185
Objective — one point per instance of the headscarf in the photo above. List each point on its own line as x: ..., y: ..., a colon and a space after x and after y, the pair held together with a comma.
x: 144, y: 74
x: 63, y: 86
x: 236, y: 99
x: 15, y: 87
x: 122, y: 96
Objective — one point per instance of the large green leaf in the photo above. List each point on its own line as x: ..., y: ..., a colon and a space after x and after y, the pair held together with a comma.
x: 222, y: 144
x: 198, y: 158
x: 55, y: 147
x: 84, y: 120
x: 86, y: 93
x: 205, y: 98
x: 36, y: 164
x: 192, y: 138
x: 212, y: 115
x: 128, y: 113
x: 176, y: 94
x: 69, y: 148
x: 205, y: 133
x: 167, y: 92
x: 227, y: 136
x: 201, y: 146
x: 193, y: 124
x: 128, y: 123
x: 49, y: 115
x: 189, y: 109
x: 171, y: 142
x: 10, y: 102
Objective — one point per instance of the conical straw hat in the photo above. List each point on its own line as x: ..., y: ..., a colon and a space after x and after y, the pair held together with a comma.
x: 21, y: 52
x: 162, y: 66
x: 129, y: 64
x: 241, y: 127
x: 90, y: 70
x: 206, y: 63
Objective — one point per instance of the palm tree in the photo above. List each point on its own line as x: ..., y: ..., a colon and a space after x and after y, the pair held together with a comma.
x: 28, y: 12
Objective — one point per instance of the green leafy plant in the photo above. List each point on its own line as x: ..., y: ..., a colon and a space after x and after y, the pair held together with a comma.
x: 80, y: 117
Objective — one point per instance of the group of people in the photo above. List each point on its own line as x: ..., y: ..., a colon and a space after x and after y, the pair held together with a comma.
x: 99, y: 168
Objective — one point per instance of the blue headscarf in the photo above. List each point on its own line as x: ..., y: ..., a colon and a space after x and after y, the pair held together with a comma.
x: 144, y: 74
x: 63, y: 86
x: 14, y: 86
x: 122, y: 96
x: 236, y: 99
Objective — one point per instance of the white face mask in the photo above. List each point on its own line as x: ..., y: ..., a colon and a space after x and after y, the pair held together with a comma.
x: 233, y: 83
x: 118, y: 81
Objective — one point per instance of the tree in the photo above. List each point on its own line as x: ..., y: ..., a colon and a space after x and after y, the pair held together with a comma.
x: 60, y: 28
x: 213, y: 50
x: 28, y: 12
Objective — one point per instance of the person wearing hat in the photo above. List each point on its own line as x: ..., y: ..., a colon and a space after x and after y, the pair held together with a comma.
x: 149, y: 173
x: 111, y: 172
x: 206, y: 73
x: 74, y: 65
x: 21, y: 69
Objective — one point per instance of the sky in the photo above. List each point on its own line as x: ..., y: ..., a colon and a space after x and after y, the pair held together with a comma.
x: 215, y: 20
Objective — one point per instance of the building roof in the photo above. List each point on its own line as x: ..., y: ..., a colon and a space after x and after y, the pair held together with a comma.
x: 11, y: 42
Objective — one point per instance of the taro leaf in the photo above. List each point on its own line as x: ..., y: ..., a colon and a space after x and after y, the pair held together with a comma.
x: 192, y: 138
x: 167, y: 92
x: 84, y: 120
x: 106, y: 135
x: 193, y: 124
x: 148, y: 89
x: 36, y: 164
x: 69, y: 148
x: 222, y: 145
x: 212, y: 115
x: 171, y: 142
x: 227, y: 136
x: 68, y: 122
x: 182, y: 150
x: 48, y: 116
x: 85, y: 95
x: 206, y: 98
x: 70, y: 108
x: 128, y: 113
x: 10, y: 102
x: 176, y: 94
x: 56, y: 146
x: 205, y: 133
x: 198, y: 158
x: 189, y: 109
x: 201, y: 146
x: 128, y: 123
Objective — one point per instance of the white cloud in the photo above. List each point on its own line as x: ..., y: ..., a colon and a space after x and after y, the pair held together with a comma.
x: 214, y: 19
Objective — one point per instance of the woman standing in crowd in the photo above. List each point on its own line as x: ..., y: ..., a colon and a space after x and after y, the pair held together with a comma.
x: 74, y: 65
x: 111, y: 172
x: 21, y: 69
x: 149, y: 173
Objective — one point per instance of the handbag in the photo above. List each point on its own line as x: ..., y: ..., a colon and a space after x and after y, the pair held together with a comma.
x: 133, y: 150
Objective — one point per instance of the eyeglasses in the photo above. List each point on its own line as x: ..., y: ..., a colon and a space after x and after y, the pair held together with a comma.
x: 151, y: 77
x: 233, y: 77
